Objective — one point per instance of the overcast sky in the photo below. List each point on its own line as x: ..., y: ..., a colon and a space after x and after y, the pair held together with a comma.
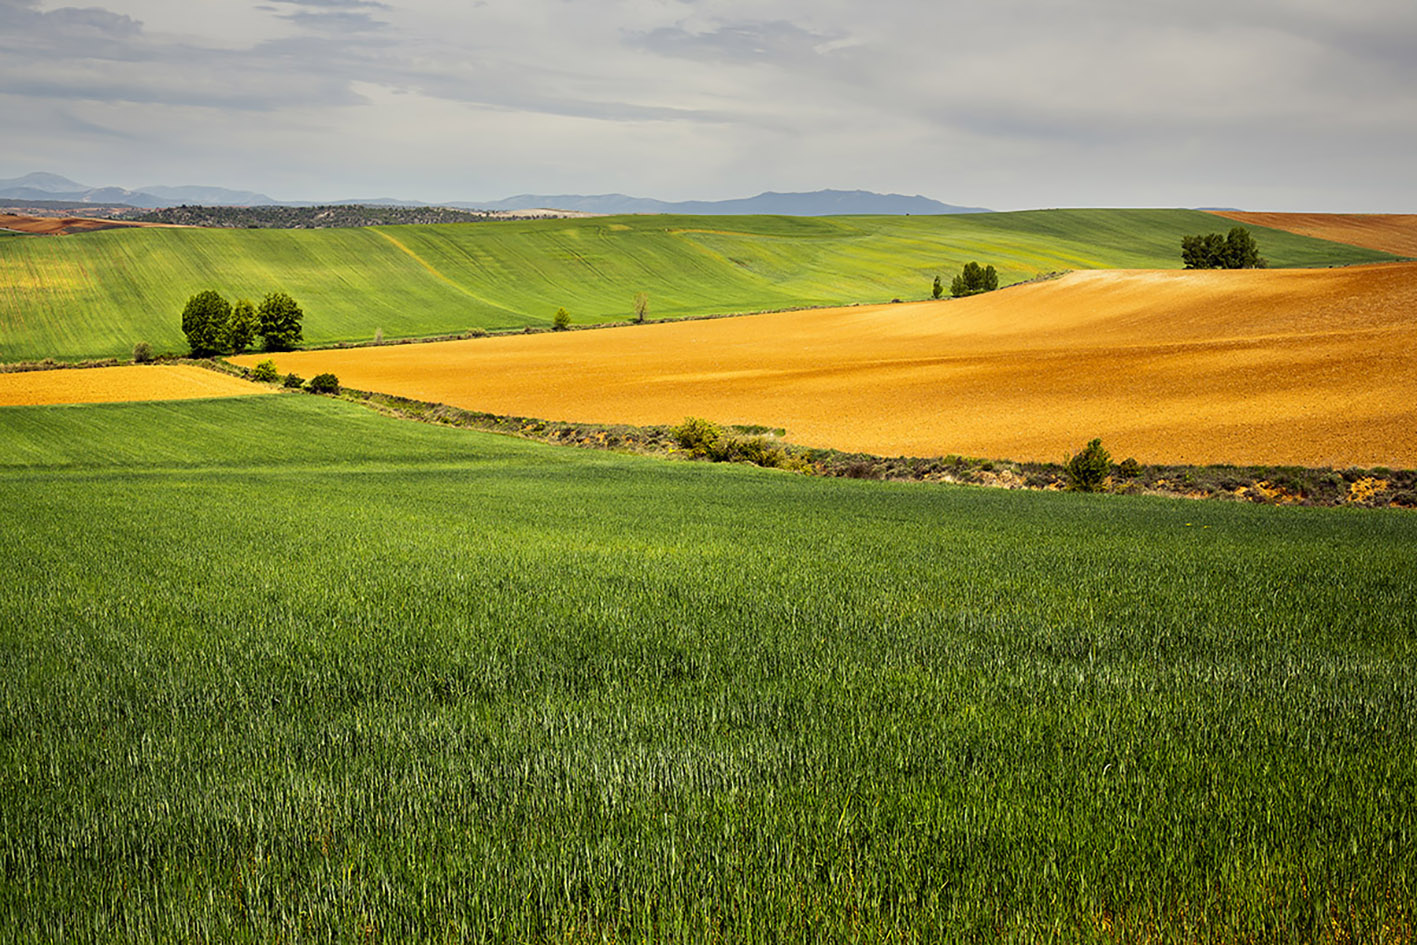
x: 1259, y: 104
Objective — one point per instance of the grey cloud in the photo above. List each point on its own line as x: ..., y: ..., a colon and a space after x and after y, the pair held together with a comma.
x: 745, y: 42
x: 341, y: 21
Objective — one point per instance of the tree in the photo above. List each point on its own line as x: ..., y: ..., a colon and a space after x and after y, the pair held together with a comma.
x: 973, y: 279
x: 204, y: 322
x: 561, y: 320
x: 242, y: 326
x: 641, y: 306
x: 1235, y: 250
x: 937, y: 289
x: 279, y: 318
x: 1087, y: 470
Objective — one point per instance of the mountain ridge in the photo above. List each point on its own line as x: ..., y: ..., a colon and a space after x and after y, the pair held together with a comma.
x: 44, y: 186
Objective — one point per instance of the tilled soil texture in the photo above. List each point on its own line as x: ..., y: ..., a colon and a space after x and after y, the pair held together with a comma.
x: 1296, y: 367
x: 62, y: 226
x: 1389, y: 232
x: 107, y: 384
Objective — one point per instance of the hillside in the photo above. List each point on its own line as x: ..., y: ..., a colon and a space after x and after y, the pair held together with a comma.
x: 1302, y: 367
x: 97, y: 294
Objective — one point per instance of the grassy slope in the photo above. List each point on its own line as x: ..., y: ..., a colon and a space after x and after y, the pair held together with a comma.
x: 281, y: 668
x: 96, y: 294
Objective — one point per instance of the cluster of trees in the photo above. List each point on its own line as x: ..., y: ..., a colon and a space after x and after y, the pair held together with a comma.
x: 971, y: 281
x: 1235, y: 250
x: 215, y: 326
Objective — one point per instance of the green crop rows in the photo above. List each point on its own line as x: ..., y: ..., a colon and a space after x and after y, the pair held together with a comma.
x: 95, y: 295
x: 281, y: 669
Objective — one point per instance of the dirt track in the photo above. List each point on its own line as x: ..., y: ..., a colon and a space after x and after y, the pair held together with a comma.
x: 1307, y: 367
x: 1390, y: 232
x: 108, y: 384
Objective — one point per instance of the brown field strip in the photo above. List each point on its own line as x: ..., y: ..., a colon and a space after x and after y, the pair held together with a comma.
x: 1302, y: 367
x: 1394, y: 233
x: 60, y: 226
x: 110, y: 384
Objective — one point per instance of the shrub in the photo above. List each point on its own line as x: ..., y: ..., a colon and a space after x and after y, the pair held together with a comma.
x: 938, y: 289
x: 294, y: 380
x: 641, y: 306
x: 561, y: 320
x: 1130, y: 468
x: 972, y: 280
x: 142, y: 353
x: 265, y: 371
x: 378, y: 336
x: 324, y: 384
x: 1086, y: 471
x: 699, y: 437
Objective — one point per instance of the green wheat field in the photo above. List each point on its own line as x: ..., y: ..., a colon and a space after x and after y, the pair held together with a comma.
x: 280, y: 669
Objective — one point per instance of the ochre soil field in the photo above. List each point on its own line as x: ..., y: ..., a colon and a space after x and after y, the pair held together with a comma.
x: 106, y: 384
x: 57, y: 226
x: 1390, y: 232
x: 1302, y: 367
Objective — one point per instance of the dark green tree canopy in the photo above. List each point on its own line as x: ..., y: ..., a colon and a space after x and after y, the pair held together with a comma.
x: 973, y: 279
x: 242, y: 326
x: 1235, y: 250
x: 279, y: 318
x: 204, y: 322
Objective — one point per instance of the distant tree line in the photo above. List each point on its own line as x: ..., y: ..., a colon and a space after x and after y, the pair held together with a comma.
x: 300, y: 218
x: 215, y: 326
x: 1235, y: 250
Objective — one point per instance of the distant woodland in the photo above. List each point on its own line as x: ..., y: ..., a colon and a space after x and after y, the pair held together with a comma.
x: 298, y: 218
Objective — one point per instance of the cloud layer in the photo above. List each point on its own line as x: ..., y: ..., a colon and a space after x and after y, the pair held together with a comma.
x: 1270, y: 104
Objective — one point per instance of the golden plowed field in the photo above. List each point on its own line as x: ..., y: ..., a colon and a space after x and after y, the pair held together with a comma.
x: 103, y: 385
x: 1311, y: 367
x: 1390, y: 232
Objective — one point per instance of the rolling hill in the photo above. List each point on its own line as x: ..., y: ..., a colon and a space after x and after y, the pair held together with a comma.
x: 97, y: 294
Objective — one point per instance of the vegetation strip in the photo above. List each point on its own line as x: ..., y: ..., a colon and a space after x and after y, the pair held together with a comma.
x: 762, y: 446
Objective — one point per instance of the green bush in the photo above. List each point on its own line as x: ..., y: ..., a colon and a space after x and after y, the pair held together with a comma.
x: 294, y: 380
x: 1130, y: 468
x: 324, y: 384
x: 561, y: 320
x: 1086, y: 471
x: 142, y: 353
x: 265, y: 371
x: 699, y: 437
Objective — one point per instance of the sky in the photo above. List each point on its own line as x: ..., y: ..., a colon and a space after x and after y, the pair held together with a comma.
x: 1007, y: 104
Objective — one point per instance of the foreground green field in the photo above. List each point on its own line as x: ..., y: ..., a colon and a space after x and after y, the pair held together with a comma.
x: 280, y: 669
x: 95, y: 295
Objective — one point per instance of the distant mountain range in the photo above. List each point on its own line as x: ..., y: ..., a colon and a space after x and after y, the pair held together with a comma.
x: 41, y: 188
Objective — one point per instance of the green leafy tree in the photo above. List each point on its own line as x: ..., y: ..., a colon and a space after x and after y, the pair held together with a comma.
x: 641, y: 306
x: 1087, y: 470
x: 561, y: 320
x: 279, y: 317
x: 242, y: 327
x: 1235, y: 250
x: 974, y: 279
x: 204, y: 322
x: 937, y: 289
